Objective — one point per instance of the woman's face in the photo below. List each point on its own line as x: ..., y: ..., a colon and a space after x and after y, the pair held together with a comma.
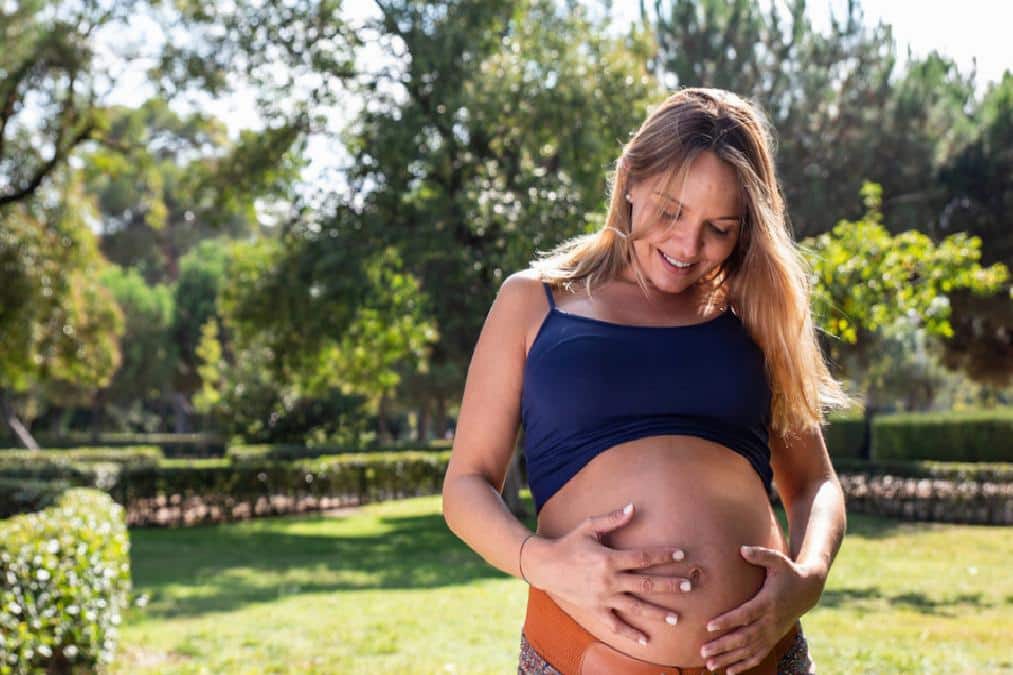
x: 703, y: 232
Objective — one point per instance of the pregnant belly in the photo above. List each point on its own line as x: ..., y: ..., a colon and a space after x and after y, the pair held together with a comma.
x: 689, y: 492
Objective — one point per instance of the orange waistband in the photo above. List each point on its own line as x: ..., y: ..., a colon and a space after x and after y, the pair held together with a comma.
x: 572, y: 650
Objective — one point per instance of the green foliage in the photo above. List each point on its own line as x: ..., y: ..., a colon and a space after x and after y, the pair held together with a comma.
x: 148, y: 348
x: 164, y: 183
x: 985, y: 436
x: 48, y: 89
x: 965, y: 436
x: 240, y: 482
x: 959, y: 472
x: 145, y: 455
x: 201, y: 276
x: 978, y: 176
x: 171, y: 445
x: 843, y: 436
x: 303, y: 351
x: 18, y: 495
x: 64, y: 583
x: 870, y: 287
x: 835, y: 90
x: 901, y: 598
x: 57, y: 322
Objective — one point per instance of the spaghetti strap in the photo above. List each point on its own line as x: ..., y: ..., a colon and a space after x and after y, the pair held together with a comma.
x: 548, y: 294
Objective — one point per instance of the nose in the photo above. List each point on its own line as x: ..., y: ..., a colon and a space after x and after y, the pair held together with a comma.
x: 686, y: 240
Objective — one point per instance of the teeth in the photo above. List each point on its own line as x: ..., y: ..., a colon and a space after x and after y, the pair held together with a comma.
x: 675, y: 262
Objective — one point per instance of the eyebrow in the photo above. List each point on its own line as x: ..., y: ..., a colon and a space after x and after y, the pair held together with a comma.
x: 681, y: 205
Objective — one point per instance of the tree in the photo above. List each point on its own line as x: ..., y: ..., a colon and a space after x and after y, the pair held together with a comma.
x: 839, y: 109
x: 47, y: 95
x: 377, y: 315
x: 59, y: 326
x: 869, y: 284
x: 495, y: 139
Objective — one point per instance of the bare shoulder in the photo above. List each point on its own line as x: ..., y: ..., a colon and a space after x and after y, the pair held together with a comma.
x: 524, y: 293
x: 490, y: 412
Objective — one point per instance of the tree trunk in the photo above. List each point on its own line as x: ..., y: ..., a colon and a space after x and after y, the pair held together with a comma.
x: 865, y: 449
x: 24, y: 436
x: 382, y: 433
x: 440, y: 419
x: 181, y: 413
x: 422, y: 426
x: 96, y: 415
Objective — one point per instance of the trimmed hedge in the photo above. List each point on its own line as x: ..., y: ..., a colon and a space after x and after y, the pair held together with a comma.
x: 64, y: 582
x: 978, y: 436
x: 843, y: 435
x: 140, y: 455
x: 960, y: 436
x: 193, y: 491
x: 288, y: 452
x: 997, y: 472
x: 18, y: 495
x: 187, y: 492
x: 172, y: 445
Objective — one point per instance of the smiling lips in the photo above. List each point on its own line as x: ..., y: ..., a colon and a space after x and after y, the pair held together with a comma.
x: 674, y: 264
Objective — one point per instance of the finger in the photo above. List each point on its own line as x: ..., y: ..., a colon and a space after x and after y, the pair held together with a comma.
x: 728, y: 643
x: 631, y: 559
x: 733, y: 658
x: 597, y: 525
x: 746, y: 664
x: 743, y: 615
x: 759, y: 555
x: 632, y: 606
x: 620, y: 627
x: 652, y: 583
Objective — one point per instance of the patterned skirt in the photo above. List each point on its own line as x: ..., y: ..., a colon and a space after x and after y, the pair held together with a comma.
x: 796, y: 660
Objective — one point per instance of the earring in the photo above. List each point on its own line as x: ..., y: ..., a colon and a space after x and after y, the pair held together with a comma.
x: 628, y: 198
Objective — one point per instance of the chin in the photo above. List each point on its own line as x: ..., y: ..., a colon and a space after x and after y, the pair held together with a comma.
x: 666, y: 281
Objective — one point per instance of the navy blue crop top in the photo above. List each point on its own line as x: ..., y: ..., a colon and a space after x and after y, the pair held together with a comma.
x: 591, y: 384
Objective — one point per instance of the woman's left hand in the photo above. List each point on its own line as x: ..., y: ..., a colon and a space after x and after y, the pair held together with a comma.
x: 789, y: 591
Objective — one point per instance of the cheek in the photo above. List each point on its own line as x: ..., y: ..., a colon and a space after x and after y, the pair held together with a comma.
x: 723, y: 249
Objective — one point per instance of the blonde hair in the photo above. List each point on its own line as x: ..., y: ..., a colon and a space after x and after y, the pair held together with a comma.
x: 766, y: 279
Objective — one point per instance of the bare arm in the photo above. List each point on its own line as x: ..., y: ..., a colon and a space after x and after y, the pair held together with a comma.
x: 813, y: 501
x: 576, y: 567
x: 487, y: 429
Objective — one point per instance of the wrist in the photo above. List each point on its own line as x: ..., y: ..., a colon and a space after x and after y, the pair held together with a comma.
x: 530, y: 559
x: 815, y: 577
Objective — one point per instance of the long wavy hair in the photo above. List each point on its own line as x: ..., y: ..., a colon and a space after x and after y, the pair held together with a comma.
x: 765, y: 280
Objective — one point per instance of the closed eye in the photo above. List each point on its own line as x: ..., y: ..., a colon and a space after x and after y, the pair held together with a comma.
x: 717, y: 230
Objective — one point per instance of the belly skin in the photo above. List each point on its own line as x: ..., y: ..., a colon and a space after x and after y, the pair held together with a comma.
x: 689, y: 492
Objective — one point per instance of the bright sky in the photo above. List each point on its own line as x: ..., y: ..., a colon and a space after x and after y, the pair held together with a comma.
x: 967, y: 31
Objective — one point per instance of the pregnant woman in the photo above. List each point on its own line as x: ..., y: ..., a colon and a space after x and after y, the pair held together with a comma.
x: 658, y: 405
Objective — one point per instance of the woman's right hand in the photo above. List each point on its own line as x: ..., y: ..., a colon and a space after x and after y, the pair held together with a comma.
x: 579, y: 569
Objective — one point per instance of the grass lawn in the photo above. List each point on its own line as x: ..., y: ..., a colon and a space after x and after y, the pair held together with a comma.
x: 388, y: 589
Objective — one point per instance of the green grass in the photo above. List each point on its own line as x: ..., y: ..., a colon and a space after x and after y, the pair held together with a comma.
x: 388, y: 589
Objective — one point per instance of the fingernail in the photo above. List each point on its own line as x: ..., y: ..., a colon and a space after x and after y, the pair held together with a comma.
x: 672, y: 619
x: 710, y: 665
x: 678, y: 555
x: 685, y: 585
x: 711, y: 627
x: 642, y: 640
x: 628, y: 509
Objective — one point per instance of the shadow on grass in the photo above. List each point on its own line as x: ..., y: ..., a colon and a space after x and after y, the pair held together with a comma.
x: 224, y: 567
x: 220, y: 564
x: 953, y: 606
